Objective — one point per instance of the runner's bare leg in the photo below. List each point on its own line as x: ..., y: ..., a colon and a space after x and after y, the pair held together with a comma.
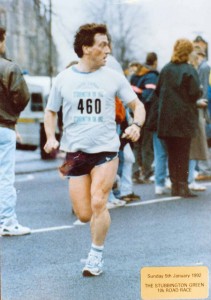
x: 79, y: 190
x: 102, y: 179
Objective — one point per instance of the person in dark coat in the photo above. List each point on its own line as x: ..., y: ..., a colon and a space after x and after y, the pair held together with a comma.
x: 178, y: 90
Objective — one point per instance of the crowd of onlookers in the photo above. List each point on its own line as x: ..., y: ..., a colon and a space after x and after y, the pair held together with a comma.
x: 173, y: 150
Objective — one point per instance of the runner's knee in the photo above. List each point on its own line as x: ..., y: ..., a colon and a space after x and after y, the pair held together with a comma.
x: 99, y: 201
x: 83, y: 214
x: 84, y: 217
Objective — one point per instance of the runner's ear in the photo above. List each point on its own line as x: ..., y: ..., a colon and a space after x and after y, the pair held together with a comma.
x: 86, y: 50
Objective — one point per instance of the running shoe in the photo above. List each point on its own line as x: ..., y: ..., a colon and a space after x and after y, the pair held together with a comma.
x: 130, y: 197
x: 115, y: 203
x: 94, y: 266
x: 159, y: 190
x: 14, y: 229
x: 200, y: 177
x: 194, y: 186
x: 168, y: 183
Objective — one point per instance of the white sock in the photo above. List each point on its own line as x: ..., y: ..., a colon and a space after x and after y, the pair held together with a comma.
x: 97, y: 250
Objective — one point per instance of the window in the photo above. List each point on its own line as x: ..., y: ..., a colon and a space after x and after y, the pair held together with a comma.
x: 3, y: 19
x: 36, y: 102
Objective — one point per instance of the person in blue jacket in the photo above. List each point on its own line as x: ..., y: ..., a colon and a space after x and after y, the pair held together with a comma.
x: 144, y: 83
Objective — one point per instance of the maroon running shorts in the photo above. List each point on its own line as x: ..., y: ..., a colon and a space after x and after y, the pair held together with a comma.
x: 81, y: 163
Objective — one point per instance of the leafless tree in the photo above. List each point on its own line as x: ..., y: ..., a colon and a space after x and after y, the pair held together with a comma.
x: 124, y: 22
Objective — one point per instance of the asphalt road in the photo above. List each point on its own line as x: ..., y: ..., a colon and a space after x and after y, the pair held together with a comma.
x: 46, y: 265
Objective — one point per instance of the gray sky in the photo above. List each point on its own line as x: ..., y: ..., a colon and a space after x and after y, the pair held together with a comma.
x: 166, y: 21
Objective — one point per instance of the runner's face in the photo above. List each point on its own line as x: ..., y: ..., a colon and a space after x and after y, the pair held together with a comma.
x: 100, y: 50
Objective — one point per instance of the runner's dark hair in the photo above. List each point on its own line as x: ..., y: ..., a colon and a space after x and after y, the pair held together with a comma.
x: 85, y: 36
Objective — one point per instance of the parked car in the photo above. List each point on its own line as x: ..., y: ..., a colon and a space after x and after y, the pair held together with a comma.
x: 30, y: 124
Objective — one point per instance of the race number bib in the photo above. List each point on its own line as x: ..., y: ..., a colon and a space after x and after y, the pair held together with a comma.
x: 88, y: 106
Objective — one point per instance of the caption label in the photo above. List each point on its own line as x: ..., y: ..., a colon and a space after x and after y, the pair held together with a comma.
x: 174, y: 283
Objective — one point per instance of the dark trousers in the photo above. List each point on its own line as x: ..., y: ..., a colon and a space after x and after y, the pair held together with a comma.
x: 143, y: 149
x: 178, y: 158
x: 147, y: 152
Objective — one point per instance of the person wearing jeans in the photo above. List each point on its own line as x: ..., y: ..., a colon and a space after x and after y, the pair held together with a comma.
x: 161, y: 164
x: 191, y: 177
x: 126, y: 182
x: 7, y: 177
x: 14, y: 96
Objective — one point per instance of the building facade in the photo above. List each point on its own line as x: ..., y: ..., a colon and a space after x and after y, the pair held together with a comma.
x: 28, y: 36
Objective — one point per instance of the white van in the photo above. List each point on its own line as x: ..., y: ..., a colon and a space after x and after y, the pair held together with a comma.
x: 30, y: 123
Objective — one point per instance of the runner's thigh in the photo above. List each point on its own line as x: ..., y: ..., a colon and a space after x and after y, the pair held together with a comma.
x: 103, y: 177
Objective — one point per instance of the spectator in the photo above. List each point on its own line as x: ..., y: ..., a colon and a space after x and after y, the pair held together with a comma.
x: 14, y: 97
x: 144, y: 83
x: 178, y: 90
x: 159, y: 147
x: 209, y: 95
x: 198, y: 148
x: 208, y: 125
x: 204, y: 166
x: 132, y: 69
x: 126, y: 157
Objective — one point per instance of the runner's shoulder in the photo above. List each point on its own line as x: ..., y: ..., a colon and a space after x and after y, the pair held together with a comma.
x: 112, y: 73
x: 63, y: 74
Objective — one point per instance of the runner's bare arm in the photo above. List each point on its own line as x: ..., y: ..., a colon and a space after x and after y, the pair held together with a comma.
x: 50, y: 119
x: 133, y: 131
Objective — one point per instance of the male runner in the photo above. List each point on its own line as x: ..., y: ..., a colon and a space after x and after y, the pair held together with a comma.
x: 87, y: 93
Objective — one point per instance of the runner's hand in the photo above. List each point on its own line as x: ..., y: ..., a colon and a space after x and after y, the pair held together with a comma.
x: 132, y: 133
x: 51, y: 145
